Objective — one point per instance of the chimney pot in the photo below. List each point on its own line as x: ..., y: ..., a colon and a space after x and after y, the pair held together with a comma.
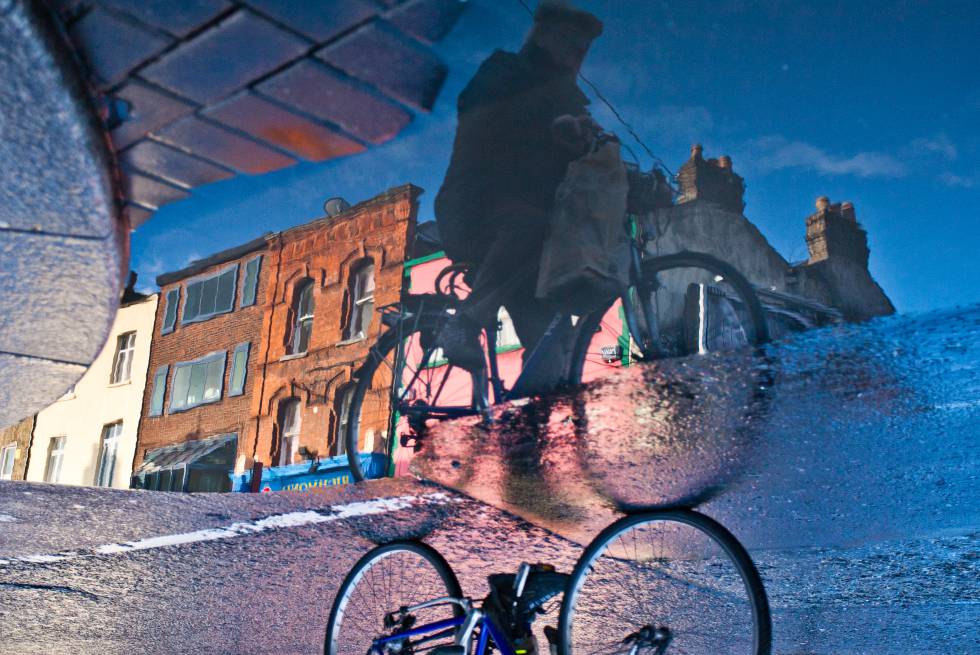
x: 725, y: 161
x: 696, y: 151
x: 822, y: 203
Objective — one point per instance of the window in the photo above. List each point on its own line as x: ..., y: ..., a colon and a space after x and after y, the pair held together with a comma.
x: 251, y: 283
x: 122, y: 364
x: 289, y: 420
x: 507, y: 338
x: 159, y: 390
x: 239, y: 369
x: 344, y: 396
x: 362, y: 300
x: 7, y: 454
x: 56, y: 453
x: 107, y: 454
x: 197, y: 382
x: 170, y: 311
x: 303, y: 305
x: 208, y: 296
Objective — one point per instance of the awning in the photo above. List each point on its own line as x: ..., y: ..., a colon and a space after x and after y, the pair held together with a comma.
x: 200, y: 465
x: 185, y: 454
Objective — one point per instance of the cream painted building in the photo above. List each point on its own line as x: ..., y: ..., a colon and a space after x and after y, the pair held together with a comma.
x: 88, y: 436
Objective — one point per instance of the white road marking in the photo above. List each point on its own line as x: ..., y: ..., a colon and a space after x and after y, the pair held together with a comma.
x: 7, y: 518
x: 274, y: 522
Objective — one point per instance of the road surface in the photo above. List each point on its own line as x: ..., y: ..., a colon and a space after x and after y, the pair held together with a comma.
x: 861, y: 512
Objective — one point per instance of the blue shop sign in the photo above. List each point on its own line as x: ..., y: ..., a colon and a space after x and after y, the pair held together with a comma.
x: 306, y: 477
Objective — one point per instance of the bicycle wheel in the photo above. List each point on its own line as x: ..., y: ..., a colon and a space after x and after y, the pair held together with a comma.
x: 387, y: 578
x: 675, y: 576
x: 404, y: 385
x: 682, y: 304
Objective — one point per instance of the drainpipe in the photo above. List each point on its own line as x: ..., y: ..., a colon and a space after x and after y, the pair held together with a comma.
x: 265, y: 361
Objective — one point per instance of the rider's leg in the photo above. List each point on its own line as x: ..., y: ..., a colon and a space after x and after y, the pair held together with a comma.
x: 531, y: 319
x: 508, y: 270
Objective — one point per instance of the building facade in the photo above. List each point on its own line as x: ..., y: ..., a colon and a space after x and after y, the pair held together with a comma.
x: 832, y: 284
x: 254, y: 349
x: 203, y: 371
x: 320, y: 322
x: 88, y: 436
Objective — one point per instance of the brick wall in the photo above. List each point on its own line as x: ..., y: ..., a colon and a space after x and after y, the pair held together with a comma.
x: 19, y: 434
x: 327, y: 251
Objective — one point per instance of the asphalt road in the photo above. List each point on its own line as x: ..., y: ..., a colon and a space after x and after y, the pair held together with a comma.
x: 863, y: 517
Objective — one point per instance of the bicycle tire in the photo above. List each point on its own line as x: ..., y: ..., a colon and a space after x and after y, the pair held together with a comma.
x: 650, y: 268
x: 734, y: 551
x: 348, y: 588
x: 419, y: 329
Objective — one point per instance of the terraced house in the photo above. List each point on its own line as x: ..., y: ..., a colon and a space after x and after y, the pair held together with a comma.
x: 87, y: 437
x: 254, y: 349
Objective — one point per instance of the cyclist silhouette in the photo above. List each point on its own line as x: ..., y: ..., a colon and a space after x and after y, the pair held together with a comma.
x: 521, y: 120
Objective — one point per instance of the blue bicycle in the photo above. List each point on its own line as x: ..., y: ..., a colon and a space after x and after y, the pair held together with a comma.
x: 671, y: 581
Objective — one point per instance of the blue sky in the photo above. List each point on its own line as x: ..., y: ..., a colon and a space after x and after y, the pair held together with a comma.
x: 873, y: 102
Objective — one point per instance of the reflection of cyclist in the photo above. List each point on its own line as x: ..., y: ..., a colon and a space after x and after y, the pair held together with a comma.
x: 522, y: 120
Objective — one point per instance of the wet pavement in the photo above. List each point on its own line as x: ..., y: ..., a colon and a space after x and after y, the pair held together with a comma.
x: 853, y: 483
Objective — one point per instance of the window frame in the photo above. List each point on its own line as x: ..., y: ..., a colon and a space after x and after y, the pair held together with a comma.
x: 357, y: 304
x: 201, y: 279
x: 343, y: 398
x: 505, y: 324
x: 8, y: 453
x: 206, y: 359
x: 129, y: 351
x: 294, y: 435
x: 299, y: 320
x: 111, y: 434
x: 171, y: 298
x: 53, y: 473
x: 163, y: 371
x: 245, y: 347
x: 245, y: 301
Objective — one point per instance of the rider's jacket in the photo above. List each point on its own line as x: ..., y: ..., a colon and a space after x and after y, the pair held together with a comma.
x: 505, y: 164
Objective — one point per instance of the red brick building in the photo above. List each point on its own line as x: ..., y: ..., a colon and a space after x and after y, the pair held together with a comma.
x: 327, y: 278
x: 254, y: 347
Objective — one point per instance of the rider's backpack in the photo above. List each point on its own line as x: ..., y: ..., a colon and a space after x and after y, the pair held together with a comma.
x: 585, y: 262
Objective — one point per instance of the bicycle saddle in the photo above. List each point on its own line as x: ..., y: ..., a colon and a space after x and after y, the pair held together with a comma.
x: 542, y: 585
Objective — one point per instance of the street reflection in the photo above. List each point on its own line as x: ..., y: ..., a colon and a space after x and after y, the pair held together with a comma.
x: 670, y: 434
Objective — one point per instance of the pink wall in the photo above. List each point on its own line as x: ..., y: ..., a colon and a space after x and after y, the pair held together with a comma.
x: 458, y: 388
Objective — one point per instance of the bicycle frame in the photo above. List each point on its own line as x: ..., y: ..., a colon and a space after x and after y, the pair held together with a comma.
x: 477, y: 620
x: 555, y: 330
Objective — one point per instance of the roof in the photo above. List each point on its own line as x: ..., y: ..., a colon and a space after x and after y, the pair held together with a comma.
x: 382, y: 198
x: 200, y: 265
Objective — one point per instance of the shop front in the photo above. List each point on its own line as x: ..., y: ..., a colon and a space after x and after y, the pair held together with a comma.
x: 310, y: 475
x: 200, y: 465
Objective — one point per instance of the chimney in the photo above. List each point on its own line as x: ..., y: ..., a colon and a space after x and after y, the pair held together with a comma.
x: 711, y: 180
x: 832, y: 232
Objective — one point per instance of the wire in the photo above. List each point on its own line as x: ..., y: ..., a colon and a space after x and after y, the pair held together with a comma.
x: 595, y: 89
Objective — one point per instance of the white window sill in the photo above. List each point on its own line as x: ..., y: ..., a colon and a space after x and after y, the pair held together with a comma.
x: 286, y: 358
x: 354, y: 339
x: 120, y: 384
